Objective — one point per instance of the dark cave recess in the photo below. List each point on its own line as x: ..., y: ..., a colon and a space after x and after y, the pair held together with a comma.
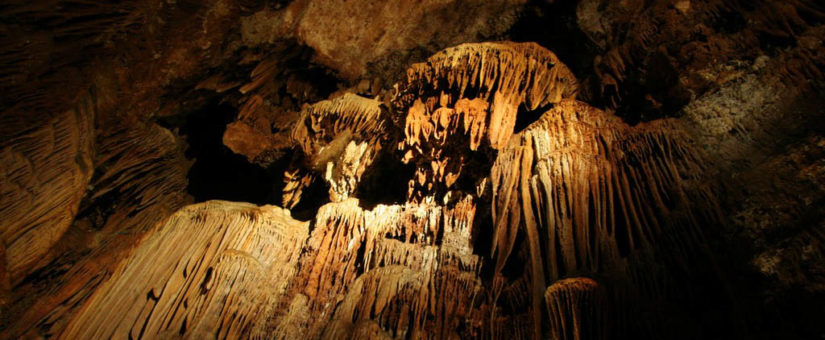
x: 218, y: 173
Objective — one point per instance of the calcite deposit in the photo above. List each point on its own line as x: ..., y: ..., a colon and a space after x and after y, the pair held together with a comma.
x: 324, y: 169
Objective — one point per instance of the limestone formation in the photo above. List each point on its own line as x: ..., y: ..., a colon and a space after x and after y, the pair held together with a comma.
x: 468, y: 96
x: 664, y: 182
x: 43, y: 177
x: 506, y: 75
x: 216, y: 268
x: 577, y: 308
x: 587, y: 192
x: 340, y: 139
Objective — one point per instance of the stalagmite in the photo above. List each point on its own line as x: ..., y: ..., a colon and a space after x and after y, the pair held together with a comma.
x: 576, y: 308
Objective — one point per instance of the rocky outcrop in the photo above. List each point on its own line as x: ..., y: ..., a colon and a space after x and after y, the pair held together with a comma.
x: 667, y: 53
x: 382, y: 29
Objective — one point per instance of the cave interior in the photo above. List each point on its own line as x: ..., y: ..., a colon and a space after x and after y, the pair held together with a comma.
x: 353, y: 169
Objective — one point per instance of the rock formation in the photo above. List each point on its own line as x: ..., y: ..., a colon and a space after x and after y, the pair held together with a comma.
x: 45, y: 174
x: 347, y: 170
x: 228, y: 264
x: 411, y: 269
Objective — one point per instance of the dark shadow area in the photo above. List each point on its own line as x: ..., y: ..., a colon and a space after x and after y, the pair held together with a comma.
x: 525, y: 117
x: 553, y: 25
x: 652, y: 93
x: 482, y: 239
x: 385, y: 182
x: 312, y: 198
x: 217, y: 172
x: 646, y: 94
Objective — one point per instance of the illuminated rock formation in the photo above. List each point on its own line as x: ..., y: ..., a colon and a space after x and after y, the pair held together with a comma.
x: 586, y: 191
x: 44, y: 175
x: 340, y: 139
x: 671, y: 188
x: 212, y: 268
x: 410, y: 269
x: 468, y: 95
x: 504, y: 74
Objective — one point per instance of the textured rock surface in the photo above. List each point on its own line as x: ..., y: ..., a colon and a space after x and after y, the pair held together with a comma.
x: 671, y: 188
x: 44, y: 175
x: 340, y: 139
x: 367, y: 31
x: 212, y: 268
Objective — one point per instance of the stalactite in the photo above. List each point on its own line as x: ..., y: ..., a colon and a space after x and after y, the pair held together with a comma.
x: 340, y: 139
x: 577, y: 158
x: 576, y: 193
x: 469, y: 96
x: 504, y: 74
x: 587, y: 190
x: 295, y: 181
x: 564, y: 182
